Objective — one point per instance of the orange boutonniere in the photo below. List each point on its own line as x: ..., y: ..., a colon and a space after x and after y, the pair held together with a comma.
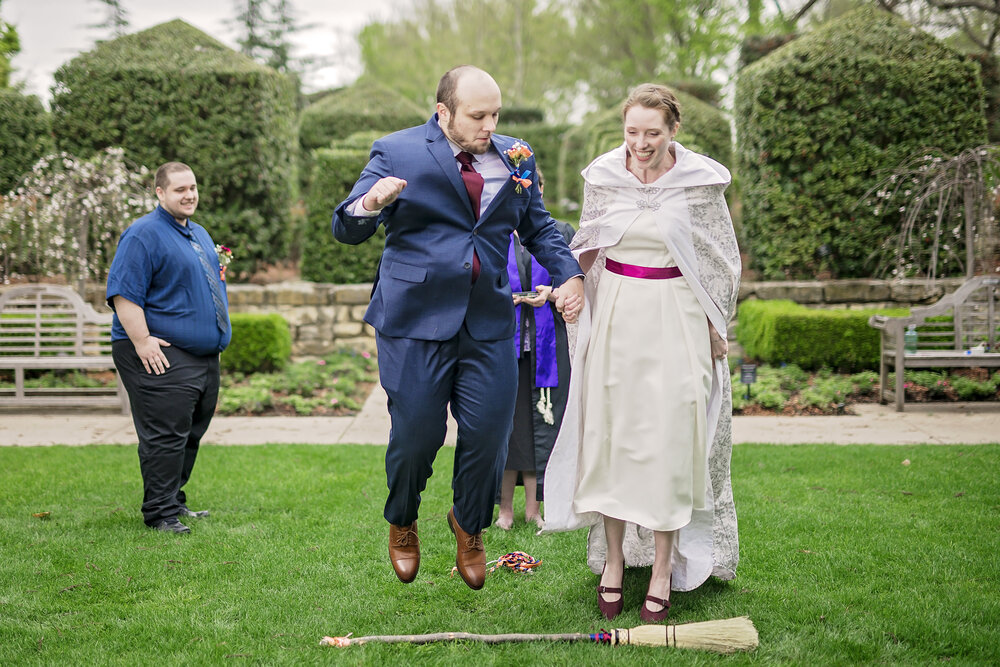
x: 517, y: 154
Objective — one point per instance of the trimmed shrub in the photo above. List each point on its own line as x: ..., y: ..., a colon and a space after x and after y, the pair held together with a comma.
x: 756, y: 47
x: 821, y: 120
x: 706, y: 91
x: 362, y: 107
x: 782, y: 331
x: 361, y: 141
x: 521, y: 116
x: 704, y: 129
x: 261, y: 343
x: 324, y: 259
x: 173, y: 93
x: 546, y: 142
x: 24, y: 136
x: 989, y: 71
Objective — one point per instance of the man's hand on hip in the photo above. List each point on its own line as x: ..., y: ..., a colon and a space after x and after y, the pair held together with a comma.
x: 384, y: 192
x: 151, y: 355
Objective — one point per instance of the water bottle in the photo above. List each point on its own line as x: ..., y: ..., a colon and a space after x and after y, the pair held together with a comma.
x: 910, y: 339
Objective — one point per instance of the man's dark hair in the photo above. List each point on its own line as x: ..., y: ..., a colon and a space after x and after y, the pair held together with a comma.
x: 162, y: 179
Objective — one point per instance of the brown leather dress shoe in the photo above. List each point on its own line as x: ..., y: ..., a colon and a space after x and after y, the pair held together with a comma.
x: 404, y: 551
x: 471, y: 557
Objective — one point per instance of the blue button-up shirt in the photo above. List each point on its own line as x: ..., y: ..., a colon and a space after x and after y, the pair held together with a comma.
x: 156, y: 268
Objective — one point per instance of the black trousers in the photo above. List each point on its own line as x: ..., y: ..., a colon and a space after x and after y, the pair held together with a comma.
x: 171, y: 413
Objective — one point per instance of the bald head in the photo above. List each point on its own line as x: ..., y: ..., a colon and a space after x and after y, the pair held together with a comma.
x: 468, y: 108
x: 458, y: 79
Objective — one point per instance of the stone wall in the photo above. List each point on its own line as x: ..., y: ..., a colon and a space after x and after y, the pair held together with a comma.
x: 857, y: 293
x: 324, y: 317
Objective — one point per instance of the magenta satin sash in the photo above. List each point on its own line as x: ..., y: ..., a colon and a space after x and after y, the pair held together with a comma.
x: 648, y: 272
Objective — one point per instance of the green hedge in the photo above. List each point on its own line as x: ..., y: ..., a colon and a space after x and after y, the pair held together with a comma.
x: 173, y: 93
x: 822, y: 119
x: 756, y: 47
x: 546, y: 142
x: 324, y: 259
x: 782, y: 331
x: 261, y: 343
x: 362, y: 107
x: 989, y: 72
x: 521, y: 116
x: 704, y: 129
x: 25, y: 136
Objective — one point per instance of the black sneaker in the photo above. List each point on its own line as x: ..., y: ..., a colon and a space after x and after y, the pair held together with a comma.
x: 197, y: 515
x: 172, y: 526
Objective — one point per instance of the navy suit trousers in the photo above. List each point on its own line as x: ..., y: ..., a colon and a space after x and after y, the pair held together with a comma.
x: 421, y: 377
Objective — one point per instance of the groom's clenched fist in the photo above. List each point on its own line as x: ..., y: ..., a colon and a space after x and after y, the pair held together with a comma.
x: 383, y: 193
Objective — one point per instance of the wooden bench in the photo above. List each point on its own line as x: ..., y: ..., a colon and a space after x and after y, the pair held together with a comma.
x: 947, y: 332
x: 49, y: 327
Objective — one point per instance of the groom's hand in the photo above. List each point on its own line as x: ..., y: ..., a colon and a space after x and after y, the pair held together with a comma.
x: 383, y: 193
x: 569, y: 299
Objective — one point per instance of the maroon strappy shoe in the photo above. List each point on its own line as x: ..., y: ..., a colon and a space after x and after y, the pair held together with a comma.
x: 654, y: 616
x: 610, y: 609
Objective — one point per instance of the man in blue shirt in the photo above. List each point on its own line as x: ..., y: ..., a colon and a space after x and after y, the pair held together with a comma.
x: 171, y: 322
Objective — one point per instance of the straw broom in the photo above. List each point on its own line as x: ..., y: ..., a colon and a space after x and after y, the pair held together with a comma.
x: 722, y: 636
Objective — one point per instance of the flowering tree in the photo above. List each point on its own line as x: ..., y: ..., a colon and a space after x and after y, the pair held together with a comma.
x: 67, y: 214
x: 946, y: 206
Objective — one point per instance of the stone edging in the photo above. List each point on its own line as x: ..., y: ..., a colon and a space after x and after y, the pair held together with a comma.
x: 324, y: 317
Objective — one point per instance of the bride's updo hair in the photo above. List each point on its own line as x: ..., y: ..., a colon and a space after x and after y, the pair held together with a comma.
x: 655, y: 96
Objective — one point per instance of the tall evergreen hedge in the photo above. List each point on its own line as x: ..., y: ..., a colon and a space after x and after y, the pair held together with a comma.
x: 822, y: 119
x: 546, y: 142
x: 173, y: 93
x: 324, y: 259
x: 366, y: 105
x: 333, y: 174
x: 25, y: 136
x: 704, y: 129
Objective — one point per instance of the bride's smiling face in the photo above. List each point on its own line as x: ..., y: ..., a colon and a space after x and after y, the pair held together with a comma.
x: 648, y: 138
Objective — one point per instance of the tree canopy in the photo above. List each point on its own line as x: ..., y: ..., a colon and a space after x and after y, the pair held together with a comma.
x: 10, y: 46
x: 263, y: 31
x: 556, y: 54
x: 115, y: 18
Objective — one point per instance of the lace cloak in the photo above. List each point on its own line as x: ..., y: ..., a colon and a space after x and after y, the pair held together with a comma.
x: 700, y: 237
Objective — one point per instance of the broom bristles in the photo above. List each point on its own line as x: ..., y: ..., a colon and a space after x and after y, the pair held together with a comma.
x: 722, y: 636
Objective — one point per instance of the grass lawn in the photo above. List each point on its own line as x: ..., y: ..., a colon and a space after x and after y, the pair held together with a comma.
x: 848, y: 556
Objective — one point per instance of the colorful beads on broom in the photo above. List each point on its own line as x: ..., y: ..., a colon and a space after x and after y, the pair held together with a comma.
x: 602, y: 637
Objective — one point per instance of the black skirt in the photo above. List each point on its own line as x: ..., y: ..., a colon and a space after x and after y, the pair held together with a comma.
x: 521, y: 448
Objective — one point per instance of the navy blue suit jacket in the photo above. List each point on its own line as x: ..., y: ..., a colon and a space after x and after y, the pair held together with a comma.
x: 423, y: 287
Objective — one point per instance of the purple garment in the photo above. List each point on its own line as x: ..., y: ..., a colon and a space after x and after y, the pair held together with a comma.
x: 546, y: 368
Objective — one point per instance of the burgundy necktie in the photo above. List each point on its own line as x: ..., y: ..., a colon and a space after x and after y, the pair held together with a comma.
x: 474, y: 185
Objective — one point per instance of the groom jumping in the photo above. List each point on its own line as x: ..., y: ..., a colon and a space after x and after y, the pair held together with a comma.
x: 442, y: 306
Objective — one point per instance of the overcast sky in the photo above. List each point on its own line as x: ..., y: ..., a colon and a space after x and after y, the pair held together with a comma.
x: 53, y: 31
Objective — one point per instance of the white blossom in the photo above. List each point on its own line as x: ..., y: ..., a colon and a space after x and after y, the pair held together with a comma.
x: 42, y: 219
